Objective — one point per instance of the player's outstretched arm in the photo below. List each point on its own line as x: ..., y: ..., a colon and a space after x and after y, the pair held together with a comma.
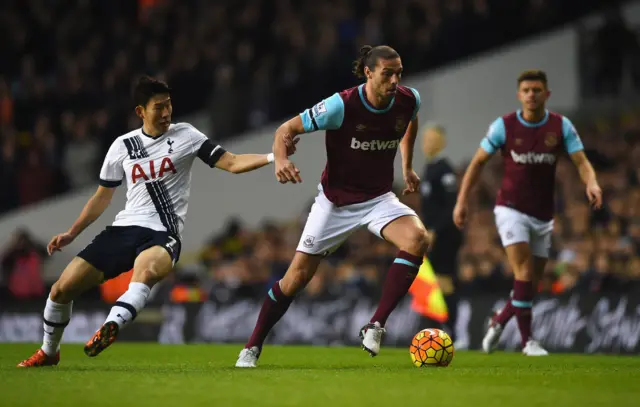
x: 588, y: 176
x: 95, y: 206
x: 239, y: 163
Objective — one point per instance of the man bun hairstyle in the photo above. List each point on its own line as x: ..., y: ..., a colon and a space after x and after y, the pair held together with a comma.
x: 369, y: 56
x: 147, y: 87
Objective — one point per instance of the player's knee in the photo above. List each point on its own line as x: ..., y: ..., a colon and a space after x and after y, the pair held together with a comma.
x: 149, y: 275
x: 523, y: 273
x: 419, y: 241
x: 61, y: 292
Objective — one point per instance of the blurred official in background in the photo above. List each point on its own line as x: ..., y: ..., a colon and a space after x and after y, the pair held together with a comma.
x: 439, y: 189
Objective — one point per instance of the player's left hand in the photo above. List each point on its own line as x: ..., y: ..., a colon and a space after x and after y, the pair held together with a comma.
x: 412, y: 181
x: 594, y: 194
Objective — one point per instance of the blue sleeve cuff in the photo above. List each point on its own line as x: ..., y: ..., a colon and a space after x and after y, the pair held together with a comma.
x: 486, y: 145
x: 572, y: 142
x: 307, y: 121
x: 326, y: 115
x: 495, y: 138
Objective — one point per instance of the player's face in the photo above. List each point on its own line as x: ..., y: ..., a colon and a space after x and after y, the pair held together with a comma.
x: 533, y: 95
x: 157, y: 113
x: 386, y: 77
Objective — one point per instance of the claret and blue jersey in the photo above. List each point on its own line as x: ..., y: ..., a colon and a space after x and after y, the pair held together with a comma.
x: 361, y: 141
x: 530, y: 152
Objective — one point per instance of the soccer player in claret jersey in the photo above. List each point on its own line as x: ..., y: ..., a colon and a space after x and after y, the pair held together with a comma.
x: 364, y: 127
x: 156, y: 162
x: 531, y: 141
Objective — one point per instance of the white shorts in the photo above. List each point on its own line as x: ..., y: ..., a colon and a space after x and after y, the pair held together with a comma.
x: 328, y: 226
x: 517, y: 227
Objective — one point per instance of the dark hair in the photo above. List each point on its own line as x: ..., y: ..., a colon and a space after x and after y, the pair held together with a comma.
x: 369, y: 57
x: 146, y: 87
x: 533, y: 75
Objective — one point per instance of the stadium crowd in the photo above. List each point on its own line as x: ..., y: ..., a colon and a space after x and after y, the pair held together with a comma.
x: 66, y: 67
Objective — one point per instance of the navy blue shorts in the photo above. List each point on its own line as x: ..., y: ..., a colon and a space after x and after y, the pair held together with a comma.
x: 114, y: 250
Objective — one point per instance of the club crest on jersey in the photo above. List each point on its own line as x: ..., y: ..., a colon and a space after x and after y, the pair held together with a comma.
x: 308, y: 241
x: 518, y: 142
x: 138, y: 171
x: 401, y: 124
x: 551, y: 139
x: 170, y: 145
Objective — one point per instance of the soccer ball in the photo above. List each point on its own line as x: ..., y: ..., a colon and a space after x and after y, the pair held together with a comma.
x: 431, y: 347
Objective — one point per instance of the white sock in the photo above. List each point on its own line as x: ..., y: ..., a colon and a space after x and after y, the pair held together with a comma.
x: 56, y: 317
x: 129, y: 304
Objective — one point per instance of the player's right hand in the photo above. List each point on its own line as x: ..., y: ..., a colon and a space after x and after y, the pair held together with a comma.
x: 291, y: 145
x: 286, y: 171
x: 460, y: 215
x: 59, y: 241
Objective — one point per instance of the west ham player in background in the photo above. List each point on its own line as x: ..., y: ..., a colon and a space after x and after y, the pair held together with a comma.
x: 531, y: 140
x: 156, y: 162
x: 364, y: 127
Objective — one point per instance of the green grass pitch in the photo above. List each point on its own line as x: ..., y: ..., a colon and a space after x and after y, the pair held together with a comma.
x: 130, y: 374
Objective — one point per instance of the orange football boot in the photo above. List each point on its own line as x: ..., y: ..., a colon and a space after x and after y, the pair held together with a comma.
x: 40, y: 359
x: 102, y: 339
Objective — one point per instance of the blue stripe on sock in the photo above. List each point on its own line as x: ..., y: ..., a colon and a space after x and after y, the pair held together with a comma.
x: 406, y: 263
x: 273, y: 297
x: 522, y: 304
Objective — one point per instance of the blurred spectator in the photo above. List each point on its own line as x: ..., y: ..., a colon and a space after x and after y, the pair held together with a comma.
x: 9, y: 199
x: 616, y: 48
x: 22, y: 266
x: 35, y: 179
x: 81, y: 156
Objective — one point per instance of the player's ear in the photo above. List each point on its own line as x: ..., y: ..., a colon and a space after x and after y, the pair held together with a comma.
x: 367, y: 72
x: 140, y: 111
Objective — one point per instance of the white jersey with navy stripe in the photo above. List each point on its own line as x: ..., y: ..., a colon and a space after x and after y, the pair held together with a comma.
x: 158, y: 175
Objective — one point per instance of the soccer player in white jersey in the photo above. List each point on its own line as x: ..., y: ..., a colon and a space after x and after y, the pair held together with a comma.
x: 155, y: 160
